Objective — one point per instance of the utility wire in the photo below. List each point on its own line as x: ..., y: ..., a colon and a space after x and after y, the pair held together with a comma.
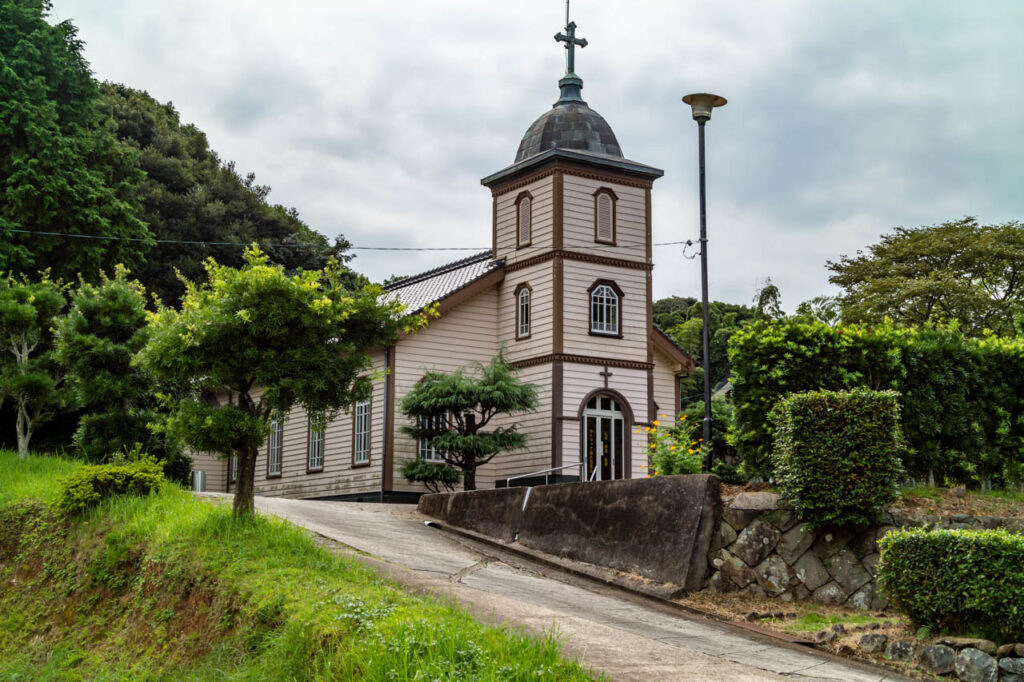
x: 190, y: 242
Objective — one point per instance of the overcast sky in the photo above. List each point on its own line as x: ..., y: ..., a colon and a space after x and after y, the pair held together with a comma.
x: 378, y: 119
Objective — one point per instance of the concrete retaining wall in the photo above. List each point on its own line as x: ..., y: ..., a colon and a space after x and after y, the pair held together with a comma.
x: 660, y: 528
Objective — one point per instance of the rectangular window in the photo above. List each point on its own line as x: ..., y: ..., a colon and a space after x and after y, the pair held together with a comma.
x: 315, y: 454
x: 523, y: 313
x: 361, y: 433
x: 275, y: 447
x: 428, y: 452
x: 233, y: 468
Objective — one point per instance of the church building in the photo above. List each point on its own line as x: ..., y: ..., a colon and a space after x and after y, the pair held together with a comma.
x: 564, y: 292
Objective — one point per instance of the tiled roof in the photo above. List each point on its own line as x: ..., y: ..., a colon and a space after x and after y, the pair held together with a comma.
x: 434, y: 285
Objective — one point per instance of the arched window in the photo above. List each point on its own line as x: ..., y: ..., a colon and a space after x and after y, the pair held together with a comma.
x: 523, y: 293
x: 604, y: 309
x: 604, y: 216
x: 524, y: 219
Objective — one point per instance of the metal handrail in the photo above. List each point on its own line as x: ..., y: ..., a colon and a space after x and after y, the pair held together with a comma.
x: 547, y: 473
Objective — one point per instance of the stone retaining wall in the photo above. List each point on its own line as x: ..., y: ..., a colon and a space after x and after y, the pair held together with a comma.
x: 763, y: 549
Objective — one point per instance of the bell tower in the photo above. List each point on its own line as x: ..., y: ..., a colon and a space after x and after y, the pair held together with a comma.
x: 571, y: 221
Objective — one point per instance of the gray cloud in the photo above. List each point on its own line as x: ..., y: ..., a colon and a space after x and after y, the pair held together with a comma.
x: 378, y: 119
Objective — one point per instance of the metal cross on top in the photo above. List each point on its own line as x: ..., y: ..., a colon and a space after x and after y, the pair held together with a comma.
x: 571, y: 41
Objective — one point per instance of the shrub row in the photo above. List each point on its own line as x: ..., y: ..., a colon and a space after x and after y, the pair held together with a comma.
x: 837, y: 455
x: 962, y: 399
x: 89, y: 485
x: 957, y: 580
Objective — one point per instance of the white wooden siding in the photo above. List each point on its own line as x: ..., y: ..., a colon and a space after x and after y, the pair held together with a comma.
x: 338, y: 477
x: 664, y: 385
x: 216, y: 469
x: 630, y: 218
x: 541, y: 321
x: 578, y: 277
x: 542, y: 224
x: 465, y: 334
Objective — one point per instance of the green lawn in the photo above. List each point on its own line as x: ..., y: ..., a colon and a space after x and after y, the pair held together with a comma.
x: 171, y: 587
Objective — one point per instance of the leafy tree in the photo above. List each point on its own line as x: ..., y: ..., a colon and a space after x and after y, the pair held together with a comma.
x: 681, y: 317
x: 61, y: 168
x: 451, y: 412
x: 255, y: 342
x: 95, y: 343
x: 29, y: 375
x: 820, y: 309
x: 926, y: 276
x: 768, y: 301
x: 189, y: 195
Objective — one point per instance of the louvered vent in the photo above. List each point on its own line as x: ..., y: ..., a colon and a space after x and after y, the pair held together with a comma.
x: 525, y: 211
x: 604, y: 218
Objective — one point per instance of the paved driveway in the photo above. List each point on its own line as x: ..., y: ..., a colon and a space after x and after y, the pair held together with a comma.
x: 627, y: 638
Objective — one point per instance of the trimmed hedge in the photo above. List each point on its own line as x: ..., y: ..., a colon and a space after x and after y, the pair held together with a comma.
x: 837, y: 454
x: 89, y: 485
x: 962, y: 399
x: 959, y: 581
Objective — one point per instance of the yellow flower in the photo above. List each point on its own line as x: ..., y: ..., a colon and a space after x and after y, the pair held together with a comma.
x: 655, y: 422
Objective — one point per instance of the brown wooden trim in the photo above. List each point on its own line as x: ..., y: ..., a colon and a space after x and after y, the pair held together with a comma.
x: 557, y: 209
x: 470, y: 290
x: 648, y: 238
x: 556, y: 411
x: 518, y: 204
x: 577, y: 256
x: 568, y: 168
x: 388, y: 456
x: 652, y: 409
x: 650, y: 315
x: 281, y: 470
x: 615, y: 201
x: 557, y: 305
x: 369, y: 444
x: 674, y: 352
x: 309, y: 441
x: 580, y: 360
x: 618, y: 308
x: 515, y: 298
x: 628, y: 419
x: 494, y: 227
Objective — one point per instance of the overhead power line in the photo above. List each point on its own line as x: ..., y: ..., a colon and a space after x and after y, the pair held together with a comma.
x: 193, y: 242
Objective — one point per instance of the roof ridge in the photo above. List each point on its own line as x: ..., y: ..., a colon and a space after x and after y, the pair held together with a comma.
x: 439, y: 270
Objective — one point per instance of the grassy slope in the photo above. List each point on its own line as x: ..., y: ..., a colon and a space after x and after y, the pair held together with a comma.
x: 169, y: 587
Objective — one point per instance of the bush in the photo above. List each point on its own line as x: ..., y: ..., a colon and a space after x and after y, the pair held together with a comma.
x: 90, y: 485
x: 837, y: 454
x: 672, y: 450
x: 962, y: 399
x: 958, y: 581
x: 722, y: 419
x: 431, y: 474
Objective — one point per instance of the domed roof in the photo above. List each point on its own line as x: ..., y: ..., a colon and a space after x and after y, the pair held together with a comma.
x: 569, y: 124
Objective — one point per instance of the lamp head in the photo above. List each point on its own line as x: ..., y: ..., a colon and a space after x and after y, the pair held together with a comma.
x: 701, y: 103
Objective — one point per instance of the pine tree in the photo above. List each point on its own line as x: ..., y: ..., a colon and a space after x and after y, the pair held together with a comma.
x: 452, y: 411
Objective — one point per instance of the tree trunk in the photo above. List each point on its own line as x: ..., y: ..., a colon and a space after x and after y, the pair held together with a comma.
x: 469, y: 479
x: 24, y: 430
x: 245, y: 483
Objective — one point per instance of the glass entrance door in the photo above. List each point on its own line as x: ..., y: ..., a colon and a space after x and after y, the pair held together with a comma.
x: 603, y: 426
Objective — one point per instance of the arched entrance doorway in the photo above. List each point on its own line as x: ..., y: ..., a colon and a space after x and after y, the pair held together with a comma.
x: 604, y: 443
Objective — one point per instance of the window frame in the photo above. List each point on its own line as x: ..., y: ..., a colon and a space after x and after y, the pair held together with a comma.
x: 276, y: 429
x: 617, y: 333
x: 422, y: 448
x: 519, y: 209
x: 233, y: 469
x: 524, y: 286
x: 310, y: 431
x: 356, y: 461
x: 614, y: 211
